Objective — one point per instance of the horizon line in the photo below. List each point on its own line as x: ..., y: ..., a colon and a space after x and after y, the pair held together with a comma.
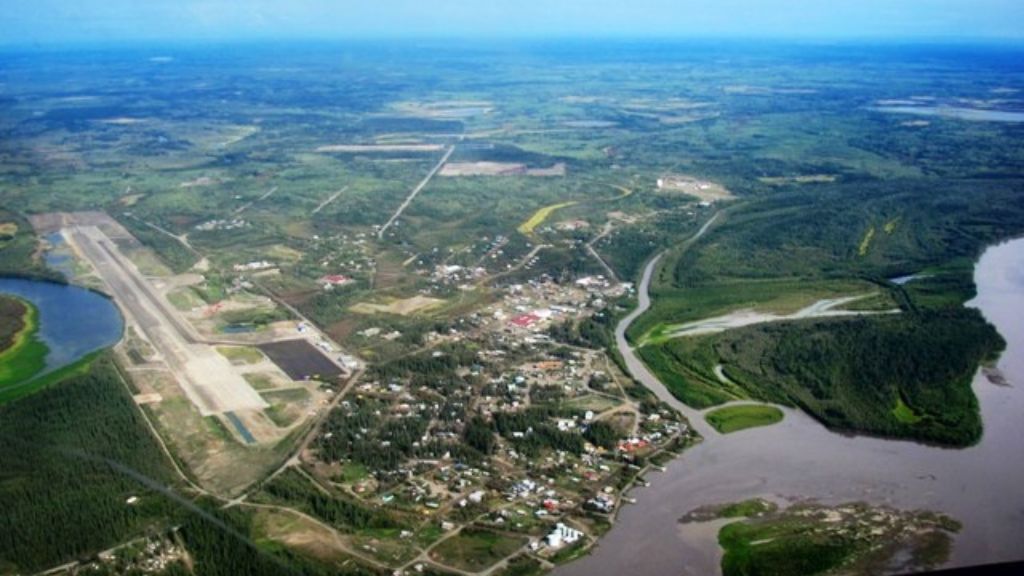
x: 909, y: 40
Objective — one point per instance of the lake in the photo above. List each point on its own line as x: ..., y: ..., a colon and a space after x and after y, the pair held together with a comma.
x: 799, y: 458
x: 73, y: 321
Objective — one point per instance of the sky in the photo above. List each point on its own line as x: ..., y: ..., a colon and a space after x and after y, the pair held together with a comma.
x: 43, y: 22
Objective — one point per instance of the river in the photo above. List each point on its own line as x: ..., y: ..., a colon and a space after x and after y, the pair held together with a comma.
x: 73, y: 321
x: 982, y: 486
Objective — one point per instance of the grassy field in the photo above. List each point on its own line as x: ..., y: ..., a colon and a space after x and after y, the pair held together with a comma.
x: 859, y: 538
x: 475, y: 549
x: 538, y: 217
x: 241, y: 355
x: 735, y: 418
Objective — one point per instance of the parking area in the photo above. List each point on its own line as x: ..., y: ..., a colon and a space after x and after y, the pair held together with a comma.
x: 301, y: 360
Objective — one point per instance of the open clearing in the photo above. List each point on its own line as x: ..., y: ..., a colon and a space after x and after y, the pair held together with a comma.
x: 381, y: 148
x: 826, y: 308
x: 499, y: 169
x: 735, y: 418
x: 404, y: 307
x: 445, y: 109
x: 474, y: 549
x: 540, y: 216
x: 808, y: 179
x: 704, y: 190
x: 8, y: 229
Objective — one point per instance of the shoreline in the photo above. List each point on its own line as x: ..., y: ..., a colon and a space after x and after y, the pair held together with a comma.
x: 800, y: 457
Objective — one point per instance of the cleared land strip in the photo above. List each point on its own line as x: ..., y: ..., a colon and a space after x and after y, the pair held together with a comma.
x: 183, y: 240
x: 827, y: 308
x: 608, y: 227
x: 415, y: 191
x: 332, y: 198
x: 248, y: 205
x: 206, y: 377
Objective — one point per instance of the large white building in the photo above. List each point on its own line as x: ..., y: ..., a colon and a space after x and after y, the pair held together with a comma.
x: 563, y: 534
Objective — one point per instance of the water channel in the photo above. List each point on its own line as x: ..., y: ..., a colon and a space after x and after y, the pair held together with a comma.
x: 982, y: 486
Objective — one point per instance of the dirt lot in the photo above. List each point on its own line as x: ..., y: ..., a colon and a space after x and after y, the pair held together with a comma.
x: 403, y: 307
x: 702, y: 189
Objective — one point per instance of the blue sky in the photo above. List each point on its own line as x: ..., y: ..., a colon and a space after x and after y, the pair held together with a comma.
x: 58, y: 21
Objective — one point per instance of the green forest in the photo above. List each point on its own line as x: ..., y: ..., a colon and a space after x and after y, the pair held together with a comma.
x: 73, y: 454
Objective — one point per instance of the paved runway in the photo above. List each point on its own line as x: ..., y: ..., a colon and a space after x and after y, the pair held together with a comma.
x: 208, y: 379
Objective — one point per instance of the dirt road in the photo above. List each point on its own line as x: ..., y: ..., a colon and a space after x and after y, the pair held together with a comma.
x: 415, y: 191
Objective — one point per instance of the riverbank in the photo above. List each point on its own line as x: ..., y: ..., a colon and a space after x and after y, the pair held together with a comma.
x: 22, y: 355
x: 800, y: 458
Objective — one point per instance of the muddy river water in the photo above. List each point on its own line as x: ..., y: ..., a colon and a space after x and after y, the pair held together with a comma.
x: 982, y: 486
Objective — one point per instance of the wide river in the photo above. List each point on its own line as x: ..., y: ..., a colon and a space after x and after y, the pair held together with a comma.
x: 982, y: 486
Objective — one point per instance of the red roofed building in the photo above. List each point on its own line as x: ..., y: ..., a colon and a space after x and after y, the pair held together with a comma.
x: 335, y: 279
x: 632, y: 444
x: 525, y: 320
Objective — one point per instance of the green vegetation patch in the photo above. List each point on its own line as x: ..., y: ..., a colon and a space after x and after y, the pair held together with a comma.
x: 735, y: 418
x: 847, y: 372
x: 241, y: 355
x: 522, y: 565
x: 24, y: 355
x: 809, y: 538
x: 904, y: 413
x: 295, y: 490
x: 745, y: 509
x: 474, y: 549
x: 684, y: 367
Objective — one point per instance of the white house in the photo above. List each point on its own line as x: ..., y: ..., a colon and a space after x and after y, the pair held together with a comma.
x: 563, y: 534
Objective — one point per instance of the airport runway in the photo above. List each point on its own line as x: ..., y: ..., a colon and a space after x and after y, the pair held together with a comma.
x: 207, y: 378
